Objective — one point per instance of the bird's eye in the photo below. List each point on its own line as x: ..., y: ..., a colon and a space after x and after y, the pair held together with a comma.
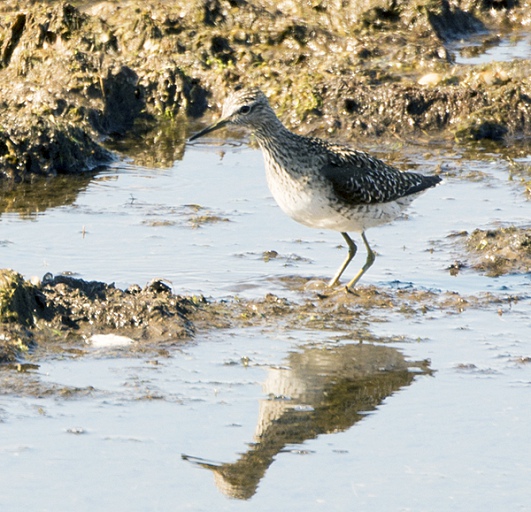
x: 245, y: 109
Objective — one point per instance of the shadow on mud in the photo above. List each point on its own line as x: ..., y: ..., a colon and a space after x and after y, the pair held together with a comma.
x: 320, y: 390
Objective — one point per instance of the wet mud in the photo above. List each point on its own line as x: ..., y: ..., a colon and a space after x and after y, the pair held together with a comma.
x: 77, y: 75
x: 500, y: 251
x: 63, y: 313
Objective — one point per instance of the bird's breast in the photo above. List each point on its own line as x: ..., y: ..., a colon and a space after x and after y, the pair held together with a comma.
x: 305, y: 198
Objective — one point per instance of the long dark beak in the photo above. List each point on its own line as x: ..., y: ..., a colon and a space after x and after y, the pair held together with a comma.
x: 220, y: 124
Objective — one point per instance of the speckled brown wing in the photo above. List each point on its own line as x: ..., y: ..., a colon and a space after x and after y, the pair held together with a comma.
x: 358, y: 178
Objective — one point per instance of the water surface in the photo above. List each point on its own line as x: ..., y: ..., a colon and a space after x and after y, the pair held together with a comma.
x: 107, y: 429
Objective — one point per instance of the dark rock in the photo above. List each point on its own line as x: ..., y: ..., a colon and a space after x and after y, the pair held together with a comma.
x: 123, y: 101
x: 451, y: 22
x: 16, y: 32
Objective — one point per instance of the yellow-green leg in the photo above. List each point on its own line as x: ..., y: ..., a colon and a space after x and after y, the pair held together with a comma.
x: 351, y: 253
x: 370, y: 260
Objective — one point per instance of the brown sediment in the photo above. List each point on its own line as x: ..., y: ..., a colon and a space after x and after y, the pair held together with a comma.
x: 62, y: 313
x: 501, y: 250
x: 76, y: 75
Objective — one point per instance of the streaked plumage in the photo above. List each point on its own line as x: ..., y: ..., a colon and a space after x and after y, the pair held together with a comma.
x: 321, y: 184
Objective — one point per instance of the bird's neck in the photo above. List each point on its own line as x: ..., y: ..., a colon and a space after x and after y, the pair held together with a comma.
x: 271, y: 131
x: 284, y: 151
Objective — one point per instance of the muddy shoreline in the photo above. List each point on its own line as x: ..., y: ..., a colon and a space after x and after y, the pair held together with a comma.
x: 75, y: 75
x: 63, y: 313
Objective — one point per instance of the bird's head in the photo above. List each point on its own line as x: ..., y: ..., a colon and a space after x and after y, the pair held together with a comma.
x: 246, y: 107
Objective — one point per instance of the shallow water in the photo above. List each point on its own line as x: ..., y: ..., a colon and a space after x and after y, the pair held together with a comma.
x: 486, y: 48
x: 109, y: 430
x: 205, y: 224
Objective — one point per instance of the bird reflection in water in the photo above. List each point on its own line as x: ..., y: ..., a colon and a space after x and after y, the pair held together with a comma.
x: 321, y: 390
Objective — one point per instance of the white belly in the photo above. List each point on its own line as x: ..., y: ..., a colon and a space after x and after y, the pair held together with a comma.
x: 312, y: 207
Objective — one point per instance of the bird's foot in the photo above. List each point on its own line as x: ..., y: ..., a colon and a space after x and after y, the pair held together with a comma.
x: 351, y: 290
x: 335, y: 290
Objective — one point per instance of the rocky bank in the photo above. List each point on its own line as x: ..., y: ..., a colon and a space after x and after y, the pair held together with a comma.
x: 77, y: 75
